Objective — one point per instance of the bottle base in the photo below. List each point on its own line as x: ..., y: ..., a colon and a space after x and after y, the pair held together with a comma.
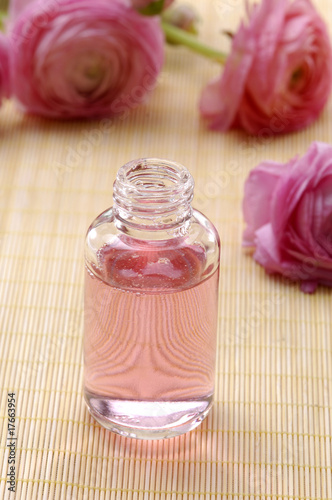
x: 148, y: 419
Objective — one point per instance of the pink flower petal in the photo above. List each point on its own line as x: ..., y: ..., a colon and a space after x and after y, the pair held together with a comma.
x: 309, y: 286
x: 267, y: 251
x: 215, y: 107
x: 5, y: 81
x: 16, y: 7
x: 258, y: 192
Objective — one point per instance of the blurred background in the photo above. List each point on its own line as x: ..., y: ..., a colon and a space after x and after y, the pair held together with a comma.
x: 269, y: 433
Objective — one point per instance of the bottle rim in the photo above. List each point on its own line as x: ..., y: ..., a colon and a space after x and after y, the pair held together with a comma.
x: 154, y: 192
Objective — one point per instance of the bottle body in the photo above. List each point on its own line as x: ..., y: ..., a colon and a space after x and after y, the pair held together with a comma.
x: 151, y: 309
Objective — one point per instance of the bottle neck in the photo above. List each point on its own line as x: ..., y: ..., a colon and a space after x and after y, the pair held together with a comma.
x: 153, y: 194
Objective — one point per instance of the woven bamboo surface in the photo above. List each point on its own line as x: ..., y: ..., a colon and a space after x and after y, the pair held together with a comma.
x: 269, y: 434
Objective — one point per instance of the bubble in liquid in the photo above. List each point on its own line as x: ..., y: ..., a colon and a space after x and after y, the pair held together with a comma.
x: 163, y: 260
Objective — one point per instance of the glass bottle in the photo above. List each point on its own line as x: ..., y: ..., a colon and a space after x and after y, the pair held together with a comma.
x: 151, y: 305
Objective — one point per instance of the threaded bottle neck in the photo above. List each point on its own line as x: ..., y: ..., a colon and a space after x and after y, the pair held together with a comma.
x: 153, y: 193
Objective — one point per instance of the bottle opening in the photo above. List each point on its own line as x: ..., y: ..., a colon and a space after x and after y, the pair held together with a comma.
x: 153, y: 192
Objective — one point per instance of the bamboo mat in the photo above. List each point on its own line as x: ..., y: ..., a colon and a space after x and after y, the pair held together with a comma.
x: 269, y: 433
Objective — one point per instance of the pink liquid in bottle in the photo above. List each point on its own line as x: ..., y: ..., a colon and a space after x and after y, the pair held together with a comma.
x: 150, y: 338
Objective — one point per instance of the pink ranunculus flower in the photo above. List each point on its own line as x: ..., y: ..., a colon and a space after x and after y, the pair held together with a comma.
x: 278, y: 76
x: 77, y: 58
x: 288, y: 211
x: 4, y: 68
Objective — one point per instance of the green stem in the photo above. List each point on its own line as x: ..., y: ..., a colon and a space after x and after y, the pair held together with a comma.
x: 178, y: 36
x: 3, y: 18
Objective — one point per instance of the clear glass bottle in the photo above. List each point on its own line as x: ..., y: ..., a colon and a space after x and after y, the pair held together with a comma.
x: 151, y: 305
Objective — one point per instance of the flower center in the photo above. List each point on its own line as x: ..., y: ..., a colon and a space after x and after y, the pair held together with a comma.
x: 87, y: 73
x: 297, y: 79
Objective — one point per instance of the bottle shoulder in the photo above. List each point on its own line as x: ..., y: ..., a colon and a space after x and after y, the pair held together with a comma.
x: 137, y: 259
x: 105, y: 227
